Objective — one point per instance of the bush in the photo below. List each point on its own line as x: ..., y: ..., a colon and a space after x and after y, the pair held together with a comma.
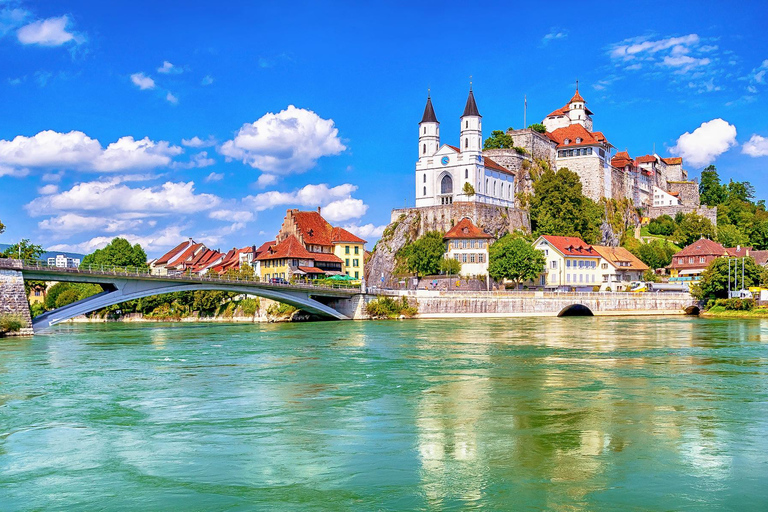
x: 249, y: 306
x: 280, y: 309
x: 10, y: 323
x: 387, y: 307
x: 36, y: 309
x: 732, y: 304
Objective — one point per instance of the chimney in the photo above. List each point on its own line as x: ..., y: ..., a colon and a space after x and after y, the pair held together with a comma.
x: 318, y: 210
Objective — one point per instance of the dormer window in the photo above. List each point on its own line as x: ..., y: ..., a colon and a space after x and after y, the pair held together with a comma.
x: 567, y: 141
x: 578, y: 140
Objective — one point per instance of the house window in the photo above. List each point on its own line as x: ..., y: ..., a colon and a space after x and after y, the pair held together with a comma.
x: 346, y: 262
x: 357, y: 249
x: 355, y: 262
x: 701, y: 259
x: 463, y: 258
x: 578, y: 140
x: 481, y: 258
x: 346, y: 250
x: 604, y: 266
x: 581, y: 278
x: 472, y: 258
x: 566, y: 141
x: 568, y: 263
x: 357, y: 275
x: 690, y: 260
x: 567, y: 278
x: 466, y: 174
x: 553, y: 264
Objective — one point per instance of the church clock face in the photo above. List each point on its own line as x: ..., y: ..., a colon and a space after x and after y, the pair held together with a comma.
x: 444, y: 160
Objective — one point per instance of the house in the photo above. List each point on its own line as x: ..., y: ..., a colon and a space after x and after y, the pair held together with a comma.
x: 351, y: 249
x: 63, y: 261
x: 570, y: 263
x: 619, y: 267
x: 468, y: 244
x: 691, y: 262
x: 446, y: 174
x: 37, y: 294
x: 288, y: 259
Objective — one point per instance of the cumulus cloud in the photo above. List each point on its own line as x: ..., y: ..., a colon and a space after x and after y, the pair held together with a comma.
x: 344, y: 209
x: 706, y: 143
x: 641, y: 47
x: 48, y: 32
x: 71, y: 223
x: 197, y: 142
x: 171, y: 98
x: 310, y: 195
x: 48, y: 189
x: 214, y: 176
x: 366, y: 231
x: 142, y: 81
x: 168, y: 68
x: 75, y: 150
x: 756, y: 146
x: 198, y: 160
x: 12, y: 171
x: 160, y: 240
x: 266, y: 180
x: 290, y: 141
x: 114, y: 197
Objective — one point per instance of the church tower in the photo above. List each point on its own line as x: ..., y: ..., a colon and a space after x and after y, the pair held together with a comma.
x: 429, y: 131
x: 471, y: 138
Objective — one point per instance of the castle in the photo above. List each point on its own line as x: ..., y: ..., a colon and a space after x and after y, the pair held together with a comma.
x: 466, y: 173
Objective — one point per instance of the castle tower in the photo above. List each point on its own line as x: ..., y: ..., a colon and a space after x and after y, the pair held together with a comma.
x: 578, y: 111
x: 471, y: 138
x: 429, y: 131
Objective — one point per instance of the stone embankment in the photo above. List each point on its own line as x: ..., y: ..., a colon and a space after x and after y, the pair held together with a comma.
x: 13, y: 299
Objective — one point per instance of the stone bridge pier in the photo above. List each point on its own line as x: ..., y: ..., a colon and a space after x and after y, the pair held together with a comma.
x: 13, y: 298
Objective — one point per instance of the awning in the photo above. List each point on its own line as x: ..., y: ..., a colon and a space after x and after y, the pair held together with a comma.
x: 690, y: 272
x: 311, y: 270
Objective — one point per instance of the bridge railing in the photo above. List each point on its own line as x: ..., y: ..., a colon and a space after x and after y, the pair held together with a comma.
x: 132, y: 271
x: 523, y: 294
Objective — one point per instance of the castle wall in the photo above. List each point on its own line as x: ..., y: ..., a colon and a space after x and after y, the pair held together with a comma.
x: 537, y: 145
x: 590, y: 171
x: 704, y: 211
x: 688, y: 192
x: 619, y: 184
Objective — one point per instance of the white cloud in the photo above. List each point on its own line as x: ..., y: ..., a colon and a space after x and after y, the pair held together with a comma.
x: 75, y: 150
x: 48, y: 32
x: 168, y: 68
x: 142, y: 81
x: 214, y: 176
x: 207, y: 80
x: 756, y: 146
x: 12, y: 171
x: 344, y: 209
x: 638, y: 47
x: 171, y: 98
x: 197, y: 142
x: 198, y: 160
x: 366, y: 231
x: 70, y: 223
x: 310, y: 195
x: 232, y: 215
x: 48, y: 189
x: 553, y: 34
x: 11, y: 19
x: 266, y: 180
x: 290, y: 141
x: 113, y: 197
x: 706, y: 143
x: 155, y: 242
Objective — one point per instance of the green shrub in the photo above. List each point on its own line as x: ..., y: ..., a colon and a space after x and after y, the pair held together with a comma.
x: 10, y: 323
x: 387, y: 307
x: 280, y: 309
x: 249, y: 306
x: 36, y: 309
x: 732, y: 304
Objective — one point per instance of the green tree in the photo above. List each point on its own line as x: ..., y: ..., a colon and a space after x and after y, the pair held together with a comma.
x: 209, y: 301
x: 693, y: 227
x: 118, y: 252
x: 664, y: 225
x: 731, y: 236
x: 538, y: 127
x: 558, y: 207
x: 450, y: 266
x: 515, y: 259
x: 655, y: 254
x: 714, y: 280
x: 498, y: 140
x: 24, y: 250
x: 469, y: 189
x: 740, y: 191
x: 2, y: 227
x: 711, y: 191
x: 426, y: 254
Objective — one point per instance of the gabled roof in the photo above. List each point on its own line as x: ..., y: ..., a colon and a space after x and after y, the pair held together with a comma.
x: 622, y: 159
x: 559, y: 112
x: 454, y: 148
x: 314, y: 228
x: 738, y: 252
x: 263, y: 247
x: 288, y: 248
x: 702, y: 247
x: 491, y: 164
x: 573, y: 132
x: 186, y: 255
x: 760, y: 257
x: 465, y: 230
x: 165, y: 258
x: 340, y: 235
x: 571, y: 246
x: 673, y: 161
x: 645, y: 159
x: 429, y: 113
x: 616, y: 255
x: 470, y: 109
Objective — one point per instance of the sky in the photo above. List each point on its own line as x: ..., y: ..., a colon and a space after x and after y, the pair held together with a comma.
x: 159, y: 121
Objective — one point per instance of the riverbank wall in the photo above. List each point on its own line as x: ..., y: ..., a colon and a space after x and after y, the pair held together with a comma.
x: 13, y: 299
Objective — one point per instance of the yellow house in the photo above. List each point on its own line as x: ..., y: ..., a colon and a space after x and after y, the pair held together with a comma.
x: 286, y: 260
x: 351, y: 250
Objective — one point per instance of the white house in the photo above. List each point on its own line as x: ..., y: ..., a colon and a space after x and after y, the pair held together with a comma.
x: 447, y: 174
x: 662, y: 198
x: 619, y: 267
x: 468, y: 244
x: 571, y: 263
x: 63, y: 261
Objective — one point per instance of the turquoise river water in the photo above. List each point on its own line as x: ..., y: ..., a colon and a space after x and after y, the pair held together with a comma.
x: 563, y: 414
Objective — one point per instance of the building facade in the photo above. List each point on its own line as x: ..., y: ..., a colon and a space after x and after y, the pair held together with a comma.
x: 570, y: 263
x: 619, y: 267
x: 446, y: 174
x: 63, y: 261
x: 468, y: 244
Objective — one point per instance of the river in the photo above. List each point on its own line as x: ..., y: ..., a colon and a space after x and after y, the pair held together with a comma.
x: 562, y: 414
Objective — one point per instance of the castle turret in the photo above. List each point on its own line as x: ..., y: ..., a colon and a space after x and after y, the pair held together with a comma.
x: 471, y: 127
x: 429, y: 131
x: 578, y: 111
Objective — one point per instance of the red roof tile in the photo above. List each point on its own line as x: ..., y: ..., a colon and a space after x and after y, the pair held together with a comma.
x: 571, y: 246
x: 738, y: 252
x: 645, y: 159
x: 324, y: 256
x: 173, y: 252
x: 673, y: 161
x: 263, y: 247
x: 577, y: 97
x: 454, y: 148
x: 185, y: 256
x: 573, y: 132
x: 465, y: 230
x: 490, y: 164
x: 620, y: 254
x: 702, y: 247
x: 559, y: 112
x: 288, y: 248
x: 339, y: 235
x: 313, y: 227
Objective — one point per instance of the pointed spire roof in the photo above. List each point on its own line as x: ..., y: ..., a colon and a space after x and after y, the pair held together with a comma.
x: 429, y: 112
x: 577, y: 97
x: 471, y: 108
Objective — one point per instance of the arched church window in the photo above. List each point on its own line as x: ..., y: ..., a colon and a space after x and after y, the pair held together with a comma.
x: 424, y: 149
x: 486, y: 185
x: 424, y: 180
x: 425, y: 130
x: 466, y: 124
x: 425, y: 190
x: 494, y: 188
x: 446, y: 185
x: 466, y: 173
x: 466, y: 143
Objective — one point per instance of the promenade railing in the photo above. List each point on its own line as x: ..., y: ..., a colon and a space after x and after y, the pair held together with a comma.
x: 525, y: 294
x: 187, y: 276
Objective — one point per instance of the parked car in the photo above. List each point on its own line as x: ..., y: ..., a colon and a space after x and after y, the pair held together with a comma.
x: 278, y: 280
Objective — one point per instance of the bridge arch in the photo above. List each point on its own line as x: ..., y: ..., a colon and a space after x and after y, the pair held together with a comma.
x: 692, y: 310
x: 125, y: 290
x: 576, y: 310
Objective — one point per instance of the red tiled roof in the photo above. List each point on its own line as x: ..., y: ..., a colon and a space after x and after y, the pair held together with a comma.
x: 738, y: 252
x: 622, y: 159
x: 454, y: 148
x: 342, y: 235
x: 185, y: 256
x: 577, y: 97
x: 571, y: 246
x: 559, y: 112
x: 311, y: 270
x: 573, y: 132
x: 624, y: 155
x: 288, y: 248
x: 263, y: 247
x: 620, y: 254
x: 645, y: 159
x: 760, y: 257
x: 702, y: 247
x: 170, y: 254
x: 314, y: 228
x: 673, y: 161
x: 465, y: 229
x: 490, y: 164
x: 324, y: 256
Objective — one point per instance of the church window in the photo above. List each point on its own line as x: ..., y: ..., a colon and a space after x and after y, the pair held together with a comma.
x: 424, y: 149
x: 425, y: 190
x: 494, y: 188
x: 446, y: 185
x: 466, y: 143
x: 486, y: 185
x: 466, y: 124
x: 425, y: 178
x: 466, y: 174
x: 425, y: 130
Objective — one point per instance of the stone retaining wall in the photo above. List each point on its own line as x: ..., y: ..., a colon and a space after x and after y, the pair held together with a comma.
x: 704, y: 211
x: 13, y: 299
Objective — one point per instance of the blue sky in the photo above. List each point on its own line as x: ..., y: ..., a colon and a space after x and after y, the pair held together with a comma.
x: 161, y: 122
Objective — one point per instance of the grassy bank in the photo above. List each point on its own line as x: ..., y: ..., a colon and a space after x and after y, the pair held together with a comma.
x: 721, y: 312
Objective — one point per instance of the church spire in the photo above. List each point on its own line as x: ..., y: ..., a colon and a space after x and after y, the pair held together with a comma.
x: 471, y: 107
x: 429, y: 112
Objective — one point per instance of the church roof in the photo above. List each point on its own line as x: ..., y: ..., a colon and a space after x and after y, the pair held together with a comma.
x: 429, y: 113
x: 470, y: 109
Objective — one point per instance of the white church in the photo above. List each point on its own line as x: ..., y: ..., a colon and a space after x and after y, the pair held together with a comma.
x: 447, y: 174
